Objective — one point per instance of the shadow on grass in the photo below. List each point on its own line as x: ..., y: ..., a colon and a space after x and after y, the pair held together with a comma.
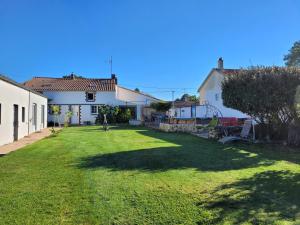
x: 2, y: 155
x: 189, y: 152
x: 263, y: 198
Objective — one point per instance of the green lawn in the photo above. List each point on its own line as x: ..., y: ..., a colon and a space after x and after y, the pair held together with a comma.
x: 140, y: 176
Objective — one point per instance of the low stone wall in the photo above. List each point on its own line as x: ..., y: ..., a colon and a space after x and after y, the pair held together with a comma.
x: 186, y: 128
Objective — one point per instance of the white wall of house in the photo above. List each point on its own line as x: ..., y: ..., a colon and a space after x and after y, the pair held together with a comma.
x: 134, y: 98
x: 211, y: 92
x: 11, y: 95
x: 185, y: 112
x: 120, y: 97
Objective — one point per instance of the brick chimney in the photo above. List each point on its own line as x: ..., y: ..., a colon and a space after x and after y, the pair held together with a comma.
x: 220, y: 63
x: 113, y: 76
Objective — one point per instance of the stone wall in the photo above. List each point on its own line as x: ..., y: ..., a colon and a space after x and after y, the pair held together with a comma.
x: 186, y: 128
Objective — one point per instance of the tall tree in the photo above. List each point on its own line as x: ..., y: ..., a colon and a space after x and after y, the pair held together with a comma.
x: 187, y: 97
x: 293, y: 57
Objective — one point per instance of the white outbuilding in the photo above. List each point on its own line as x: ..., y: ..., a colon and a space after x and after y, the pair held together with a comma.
x: 22, y: 111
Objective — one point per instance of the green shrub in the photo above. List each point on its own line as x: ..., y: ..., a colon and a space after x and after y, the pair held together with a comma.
x: 161, y: 106
x: 124, y: 116
x: 114, y: 114
x: 265, y: 93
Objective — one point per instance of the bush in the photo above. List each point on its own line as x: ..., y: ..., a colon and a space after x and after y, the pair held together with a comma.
x: 124, y: 116
x: 266, y: 94
x: 114, y: 115
x: 161, y: 106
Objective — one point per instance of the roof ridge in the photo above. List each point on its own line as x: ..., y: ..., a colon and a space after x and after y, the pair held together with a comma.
x: 77, y: 78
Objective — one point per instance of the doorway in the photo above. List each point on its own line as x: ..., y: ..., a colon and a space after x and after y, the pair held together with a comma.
x: 16, y: 122
x: 75, y: 115
x: 43, y: 116
x: 34, y: 115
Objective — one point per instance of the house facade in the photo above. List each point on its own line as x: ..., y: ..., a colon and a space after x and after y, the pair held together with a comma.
x: 210, y: 92
x: 210, y: 99
x: 83, y: 96
x: 22, y: 111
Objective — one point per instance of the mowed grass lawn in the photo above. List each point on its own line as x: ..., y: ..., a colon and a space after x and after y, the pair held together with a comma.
x: 141, y: 176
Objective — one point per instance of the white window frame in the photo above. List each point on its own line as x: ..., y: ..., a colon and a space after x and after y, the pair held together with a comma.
x: 94, y: 113
x: 87, y: 96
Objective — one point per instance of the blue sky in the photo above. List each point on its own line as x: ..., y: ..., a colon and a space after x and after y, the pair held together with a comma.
x: 156, y: 45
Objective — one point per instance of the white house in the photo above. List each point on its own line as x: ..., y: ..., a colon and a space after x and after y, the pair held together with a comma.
x: 22, y: 111
x: 210, y: 99
x: 82, y: 96
x: 210, y: 91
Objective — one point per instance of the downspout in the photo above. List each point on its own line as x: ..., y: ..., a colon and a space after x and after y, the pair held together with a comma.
x: 28, y: 109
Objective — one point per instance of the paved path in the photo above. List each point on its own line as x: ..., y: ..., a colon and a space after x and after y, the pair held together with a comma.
x: 5, y: 149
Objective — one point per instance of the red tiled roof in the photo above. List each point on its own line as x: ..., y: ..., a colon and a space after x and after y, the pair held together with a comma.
x: 71, y: 84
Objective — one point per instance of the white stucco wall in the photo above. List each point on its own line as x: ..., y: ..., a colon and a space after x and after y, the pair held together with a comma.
x: 120, y: 97
x: 213, y: 87
x: 133, y: 97
x: 11, y: 95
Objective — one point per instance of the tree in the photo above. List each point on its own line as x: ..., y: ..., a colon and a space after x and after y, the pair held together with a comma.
x: 293, y: 57
x: 137, y: 90
x: 265, y: 93
x: 161, y: 106
x: 55, y: 109
x: 106, y: 110
x: 68, y: 116
x: 187, y: 97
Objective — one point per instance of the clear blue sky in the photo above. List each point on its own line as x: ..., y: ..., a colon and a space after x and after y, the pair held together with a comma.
x: 154, y: 43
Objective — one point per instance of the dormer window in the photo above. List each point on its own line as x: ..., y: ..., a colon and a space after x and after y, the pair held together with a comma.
x: 90, y: 96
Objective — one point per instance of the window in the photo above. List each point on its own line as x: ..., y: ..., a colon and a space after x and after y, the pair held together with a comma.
x: 23, y: 114
x: 94, y: 109
x: 90, y: 96
x: 217, y: 97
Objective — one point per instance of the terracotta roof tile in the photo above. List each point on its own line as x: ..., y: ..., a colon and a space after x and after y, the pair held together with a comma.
x: 71, y: 84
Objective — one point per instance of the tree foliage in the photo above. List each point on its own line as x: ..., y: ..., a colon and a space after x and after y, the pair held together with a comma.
x: 68, y: 116
x: 55, y: 110
x: 187, y: 97
x: 161, y: 106
x: 113, y: 114
x: 265, y: 93
x: 292, y: 59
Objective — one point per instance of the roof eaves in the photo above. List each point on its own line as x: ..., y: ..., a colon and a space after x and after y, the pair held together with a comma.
x: 8, y: 80
x: 145, y: 94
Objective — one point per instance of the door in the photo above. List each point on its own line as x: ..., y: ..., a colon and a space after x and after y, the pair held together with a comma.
x: 75, y: 115
x: 34, y: 117
x: 43, y: 116
x: 16, y: 122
